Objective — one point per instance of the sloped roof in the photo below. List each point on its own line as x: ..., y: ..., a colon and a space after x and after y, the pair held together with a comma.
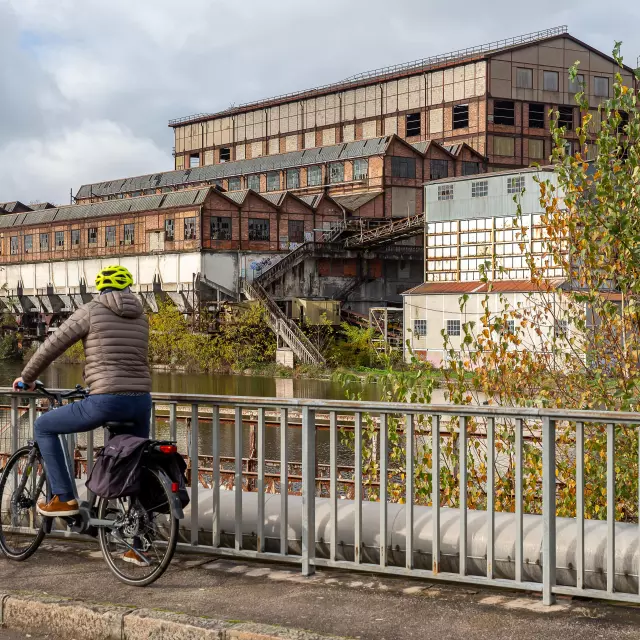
x: 354, y: 201
x: 14, y: 207
x: 38, y: 206
x: 496, y: 286
x: 209, y: 173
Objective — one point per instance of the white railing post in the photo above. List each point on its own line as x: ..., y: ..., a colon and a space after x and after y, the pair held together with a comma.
x: 308, y: 491
x: 548, y: 510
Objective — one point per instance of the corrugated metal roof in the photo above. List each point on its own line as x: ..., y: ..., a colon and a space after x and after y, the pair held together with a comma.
x: 179, y: 198
x: 237, y: 196
x: 14, y: 207
x: 274, y: 198
x: 312, y: 201
x: 356, y: 200
x: 40, y: 217
x: 209, y: 173
x: 497, y: 286
x: 38, y: 206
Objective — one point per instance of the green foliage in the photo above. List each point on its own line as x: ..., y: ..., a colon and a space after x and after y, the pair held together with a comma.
x: 73, y: 355
x: 9, y: 349
x: 352, y: 347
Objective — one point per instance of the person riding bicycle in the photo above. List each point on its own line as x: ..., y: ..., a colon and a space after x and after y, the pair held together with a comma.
x: 115, y: 335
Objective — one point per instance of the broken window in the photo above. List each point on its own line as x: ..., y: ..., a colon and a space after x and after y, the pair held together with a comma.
x: 44, y: 242
x: 59, y: 239
x: 461, y: 116
x: 314, y: 176
x: 253, y: 182
x: 565, y: 117
x: 273, y: 181
x: 225, y: 154
x: 129, y: 234
x: 110, y: 236
x: 536, y: 116
x: 413, y: 124
x: 524, y: 78
x: 169, y: 229
x: 360, y: 169
x: 504, y: 112
x: 551, y: 81
x: 601, y: 87
x: 293, y: 178
x: 189, y: 228
x: 75, y: 237
x: 258, y: 229
x: 296, y: 231
x: 15, y: 245
x: 220, y: 228
x: 336, y: 172
x: 235, y: 184
x: 194, y: 160
x: 445, y: 192
x: 470, y: 168
x: 439, y: 169
x: 403, y: 167
x: 28, y: 244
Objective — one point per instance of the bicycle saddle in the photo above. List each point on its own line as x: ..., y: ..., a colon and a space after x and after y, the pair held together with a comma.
x: 119, y: 426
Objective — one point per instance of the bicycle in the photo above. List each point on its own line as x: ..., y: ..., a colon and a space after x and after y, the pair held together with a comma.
x: 146, y: 524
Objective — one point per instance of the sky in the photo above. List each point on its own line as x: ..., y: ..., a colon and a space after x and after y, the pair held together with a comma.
x: 87, y: 86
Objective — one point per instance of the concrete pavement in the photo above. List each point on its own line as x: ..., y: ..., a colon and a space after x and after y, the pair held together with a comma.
x: 330, y: 603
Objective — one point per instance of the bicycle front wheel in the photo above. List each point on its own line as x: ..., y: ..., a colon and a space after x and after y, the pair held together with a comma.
x: 139, y: 546
x: 22, y: 486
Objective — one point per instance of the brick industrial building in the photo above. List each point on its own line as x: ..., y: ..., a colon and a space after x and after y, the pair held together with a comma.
x: 495, y: 97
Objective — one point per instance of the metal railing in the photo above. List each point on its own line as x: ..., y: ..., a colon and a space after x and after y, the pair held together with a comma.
x: 395, y: 522
x: 396, y: 230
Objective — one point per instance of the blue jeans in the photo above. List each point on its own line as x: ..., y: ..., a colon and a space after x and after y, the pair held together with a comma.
x: 78, y: 417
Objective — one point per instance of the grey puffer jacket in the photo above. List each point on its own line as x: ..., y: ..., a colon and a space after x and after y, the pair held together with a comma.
x: 115, y: 334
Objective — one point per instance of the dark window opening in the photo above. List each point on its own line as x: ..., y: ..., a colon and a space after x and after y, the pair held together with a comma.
x: 44, y: 242
x: 189, y: 228
x: 194, y: 160
x: 92, y: 235
x: 221, y: 228
x: 225, y: 154
x: 273, y: 181
x: 110, y: 236
x: 565, y: 117
x: 470, y: 168
x: 403, y: 167
x: 129, y: 234
x: 296, y: 230
x: 169, y: 229
x: 28, y: 244
x: 536, y: 116
x: 258, y: 229
x: 15, y: 245
x: 461, y: 116
x: 253, y: 182
x: 75, y: 237
x: 439, y: 169
x: 235, y: 184
x: 59, y: 239
x: 624, y: 121
x: 504, y: 112
x: 336, y: 172
x: 413, y: 125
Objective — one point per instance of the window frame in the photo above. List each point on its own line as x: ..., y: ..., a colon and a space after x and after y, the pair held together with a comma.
x: 312, y: 172
x: 170, y: 229
x: 565, y: 117
x: 42, y: 237
x: 224, y: 230
x: 110, y: 235
x: 59, y: 235
x: 415, y: 125
x: 227, y: 154
x: 14, y: 247
x: 596, y: 92
x: 299, y: 235
x: 28, y: 240
x: 479, y: 188
x: 537, y: 115
x: 271, y: 183
x: 451, y: 332
x: 193, y: 157
x: 513, y: 145
x: 237, y: 183
x: 530, y: 78
x: 94, y: 235
x: 466, y: 165
x: 550, y: 74
x: 252, y: 178
x: 358, y: 173
x: 460, y: 116
x: 418, y: 333
x: 440, y: 163
x: 445, y: 192
x: 515, y: 185
x: 290, y: 173
x: 336, y: 172
x: 507, y: 115
x: 259, y: 224
x: 75, y: 235
x: 401, y: 165
x: 129, y: 234
x: 190, y: 228
x: 577, y: 85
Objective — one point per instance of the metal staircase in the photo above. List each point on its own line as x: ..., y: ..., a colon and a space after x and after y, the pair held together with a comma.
x: 283, y: 327
x: 384, y: 234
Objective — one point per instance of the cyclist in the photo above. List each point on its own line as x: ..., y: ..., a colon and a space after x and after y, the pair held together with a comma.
x: 115, y: 334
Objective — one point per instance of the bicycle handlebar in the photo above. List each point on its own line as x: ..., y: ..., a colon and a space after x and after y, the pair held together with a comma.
x: 78, y: 392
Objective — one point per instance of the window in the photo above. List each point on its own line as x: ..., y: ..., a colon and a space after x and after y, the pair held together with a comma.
x: 258, y: 229
x: 413, y: 124
x: 439, y: 169
x: 28, y: 244
x: 189, y: 228
x: 92, y: 235
x: 624, y: 121
x: 510, y: 327
x: 293, y: 178
x: 225, y: 154
x: 403, y: 167
x: 110, y: 236
x: 360, y: 169
x: 336, y: 172
x: 419, y: 328
x: 561, y: 328
x: 15, y: 245
x: 75, y: 237
x: 536, y: 149
x: 577, y: 85
x: 470, y: 168
x: 536, y: 116
x: 314, y: 176
x: 169, y: 229
x: 565, y: 117
x: 550, y: 81
x: 461, y: 116
x: 515, y: 185
x: 273, y: 181
x: 296, y: 230
x: 453, y: 327
x: 59, y: 239
x: 220, y: 228
x: 480, y: 189
x: 253, y: 182
x: 524, y: 78
x: 504, y: 146
x: 194, y: 160
x: 504, y: 112
x: 601, y: 87
x: 235, y: 184
x: 129, y: 234
x: 44, y: 242
x: 445, y: 192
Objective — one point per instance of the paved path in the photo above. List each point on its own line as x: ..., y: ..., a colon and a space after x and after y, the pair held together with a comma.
x: 6, y: 634
x: 338, y: 603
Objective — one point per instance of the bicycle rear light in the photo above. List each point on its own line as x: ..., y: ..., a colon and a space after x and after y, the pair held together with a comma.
x: 175, y: 487
x: 168, y: 448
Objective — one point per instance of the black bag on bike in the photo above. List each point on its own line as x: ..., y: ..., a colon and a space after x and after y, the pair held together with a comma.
x: 174, y: 466
x: 117, y: 470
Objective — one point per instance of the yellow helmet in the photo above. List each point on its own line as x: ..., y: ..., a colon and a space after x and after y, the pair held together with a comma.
x: 114, y: 277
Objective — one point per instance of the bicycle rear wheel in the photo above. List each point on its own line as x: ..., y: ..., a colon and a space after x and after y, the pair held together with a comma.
x: 145, y: 524
x: 22, y: 486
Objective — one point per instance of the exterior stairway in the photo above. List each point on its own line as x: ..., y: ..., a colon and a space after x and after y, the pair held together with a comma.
x: 392, y: 232
x: 282, y: 326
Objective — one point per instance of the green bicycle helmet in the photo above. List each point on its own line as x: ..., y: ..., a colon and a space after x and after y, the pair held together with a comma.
x: 114, y: 277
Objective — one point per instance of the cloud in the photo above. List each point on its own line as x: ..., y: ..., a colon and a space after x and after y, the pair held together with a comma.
x: 135, y: 64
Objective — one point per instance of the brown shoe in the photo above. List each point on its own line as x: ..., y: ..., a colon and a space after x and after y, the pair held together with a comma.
x: 57, y: 509
x: 136, y: 558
